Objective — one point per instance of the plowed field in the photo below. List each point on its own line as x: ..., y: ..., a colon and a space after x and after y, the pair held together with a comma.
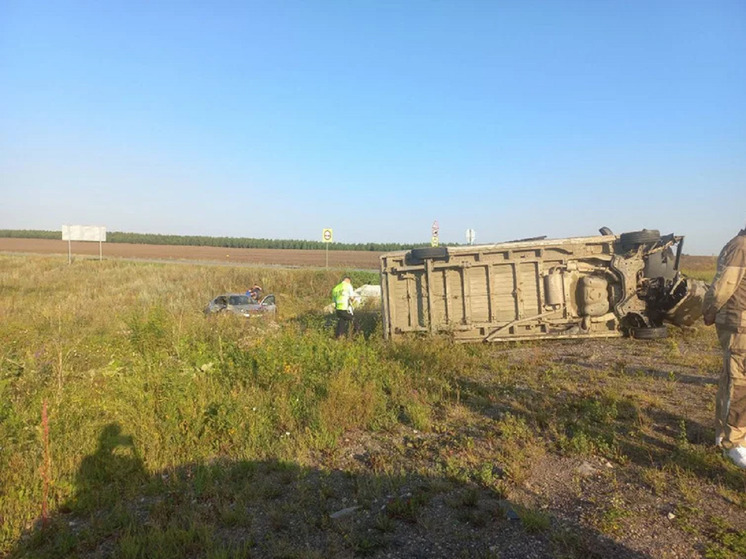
x: 281, y: 257
x: 366, y: 260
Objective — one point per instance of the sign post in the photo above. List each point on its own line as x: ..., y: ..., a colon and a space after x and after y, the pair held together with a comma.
x: 327, y: 236
x: 434, y: 240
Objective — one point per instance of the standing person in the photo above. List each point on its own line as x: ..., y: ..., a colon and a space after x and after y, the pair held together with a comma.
x: 342, y: 295
x: 725, y: 306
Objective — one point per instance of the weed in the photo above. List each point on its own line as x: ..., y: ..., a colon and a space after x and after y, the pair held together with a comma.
x: 406, y: 507
x: 470, y: 497
x: 727, y: 542
x: 475, y: 517
x: 734, y: 497
x: 367, y: 543
x: 571, y: 543
x: 655, y: 479
x: 278, y: 519
x: 384, y: 523
x: 487, y: 475
x: 534, y: 521
x: 518, y: 449
x: 686, y: 514
x: 610, y: 522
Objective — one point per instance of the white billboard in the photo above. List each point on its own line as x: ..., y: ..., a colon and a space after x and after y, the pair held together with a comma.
x: 93, y: 233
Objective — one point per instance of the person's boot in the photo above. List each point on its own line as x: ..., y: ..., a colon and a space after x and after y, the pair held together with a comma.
x: 737, y: 455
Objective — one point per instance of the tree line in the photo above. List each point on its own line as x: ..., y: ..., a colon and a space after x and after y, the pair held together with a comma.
x: 202, y: 240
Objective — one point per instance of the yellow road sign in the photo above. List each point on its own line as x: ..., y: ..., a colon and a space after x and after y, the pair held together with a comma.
x: 327, y: 236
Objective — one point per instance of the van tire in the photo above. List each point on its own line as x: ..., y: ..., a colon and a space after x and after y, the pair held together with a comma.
x: 655, y: 333
x: 435, y: 253
x: 637, y: 238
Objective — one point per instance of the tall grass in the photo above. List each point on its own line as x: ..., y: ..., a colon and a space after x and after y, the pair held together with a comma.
x: 119, y: 343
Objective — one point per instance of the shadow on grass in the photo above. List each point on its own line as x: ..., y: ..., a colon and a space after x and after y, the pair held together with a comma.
x: 103, y: 475
x: 657, y: 374
x: 270, y: 508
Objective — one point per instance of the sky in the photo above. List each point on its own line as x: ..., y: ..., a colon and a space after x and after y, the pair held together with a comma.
x: 278, y: 119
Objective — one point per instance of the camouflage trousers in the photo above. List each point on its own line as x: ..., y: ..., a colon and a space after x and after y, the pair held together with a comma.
x: 730, y: 406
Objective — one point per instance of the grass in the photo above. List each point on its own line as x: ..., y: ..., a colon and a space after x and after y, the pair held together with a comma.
x: 117, y: 346
x: 173, y: 434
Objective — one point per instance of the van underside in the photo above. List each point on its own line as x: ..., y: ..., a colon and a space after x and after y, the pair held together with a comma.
x: 601, y: 286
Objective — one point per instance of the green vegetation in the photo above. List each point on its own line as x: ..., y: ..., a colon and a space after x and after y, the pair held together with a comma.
x: 30, y: 234
x: 172, y: 434
x: 704, y: 275
x: 202, y: 240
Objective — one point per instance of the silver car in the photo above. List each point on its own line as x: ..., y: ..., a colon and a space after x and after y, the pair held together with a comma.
x: 242, y: 305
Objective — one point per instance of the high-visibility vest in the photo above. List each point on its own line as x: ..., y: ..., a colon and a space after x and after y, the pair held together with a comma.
x: 341, y: 296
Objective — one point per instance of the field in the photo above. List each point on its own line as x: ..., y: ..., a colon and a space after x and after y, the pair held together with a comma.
x: 251, y: 256
x: 698, y: 266
x: 169, y: 434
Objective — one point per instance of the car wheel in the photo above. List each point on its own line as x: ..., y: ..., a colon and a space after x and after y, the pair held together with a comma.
x: 436, y: 253
x: 655, y: 333
x: 637, y: 238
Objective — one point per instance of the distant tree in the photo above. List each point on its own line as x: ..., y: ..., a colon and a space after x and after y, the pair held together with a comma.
x: 225, y: 242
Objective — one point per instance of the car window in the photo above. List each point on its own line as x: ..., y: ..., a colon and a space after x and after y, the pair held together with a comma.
x: 238, y: 300
x: 269, y: 300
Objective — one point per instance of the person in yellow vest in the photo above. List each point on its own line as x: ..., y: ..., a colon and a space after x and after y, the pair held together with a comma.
x: 725, y: 306
x: 343, y: 295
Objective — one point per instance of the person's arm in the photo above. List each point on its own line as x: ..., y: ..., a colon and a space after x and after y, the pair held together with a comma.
x: 729, y: 276
x: 350, y: 292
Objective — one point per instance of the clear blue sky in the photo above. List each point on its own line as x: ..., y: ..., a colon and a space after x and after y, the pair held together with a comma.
x: 278, y: 118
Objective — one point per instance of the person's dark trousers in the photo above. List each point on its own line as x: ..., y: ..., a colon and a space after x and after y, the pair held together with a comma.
x: 344, y: 319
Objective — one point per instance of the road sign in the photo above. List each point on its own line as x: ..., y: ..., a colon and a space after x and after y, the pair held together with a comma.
x: 434, y: 241
x: 84, y: 233
x: 327, y: 236
x: 94, y: 233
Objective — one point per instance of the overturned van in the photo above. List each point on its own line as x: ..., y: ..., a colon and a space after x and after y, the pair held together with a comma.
x: 600, y: 286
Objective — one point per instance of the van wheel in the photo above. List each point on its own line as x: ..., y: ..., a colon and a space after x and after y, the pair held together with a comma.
x: 436, y: 253
x: 637, y: 238
x: 656, y: 333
